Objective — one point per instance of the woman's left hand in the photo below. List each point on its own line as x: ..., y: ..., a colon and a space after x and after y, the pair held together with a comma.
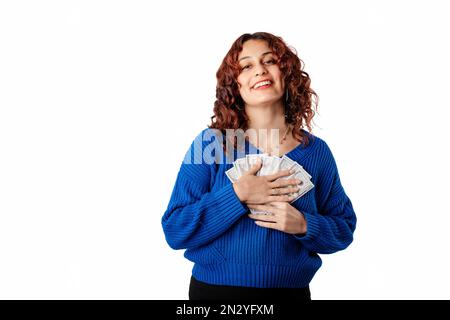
x: 282, y: 216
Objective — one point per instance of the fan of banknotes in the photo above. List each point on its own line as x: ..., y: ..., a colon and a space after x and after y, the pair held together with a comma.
x: 271, y: 165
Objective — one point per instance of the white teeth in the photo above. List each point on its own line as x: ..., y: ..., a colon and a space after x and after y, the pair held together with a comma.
x: 259, y: 84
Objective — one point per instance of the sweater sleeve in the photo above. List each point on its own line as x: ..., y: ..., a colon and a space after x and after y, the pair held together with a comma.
x: 195, y: 215
x: 331, y: 229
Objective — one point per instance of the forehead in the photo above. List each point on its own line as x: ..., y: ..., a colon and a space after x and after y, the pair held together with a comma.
x: 253, y: 49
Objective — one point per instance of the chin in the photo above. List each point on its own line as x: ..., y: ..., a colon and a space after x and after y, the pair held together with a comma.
x: 268, y: 99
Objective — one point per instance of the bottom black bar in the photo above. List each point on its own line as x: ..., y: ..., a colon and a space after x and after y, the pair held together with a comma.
x: 185, y: 309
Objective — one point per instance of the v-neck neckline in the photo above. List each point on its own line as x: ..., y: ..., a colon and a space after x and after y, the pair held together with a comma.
x: 287, y: 154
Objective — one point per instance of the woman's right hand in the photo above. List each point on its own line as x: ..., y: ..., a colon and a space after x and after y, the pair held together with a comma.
x: 254, y: 189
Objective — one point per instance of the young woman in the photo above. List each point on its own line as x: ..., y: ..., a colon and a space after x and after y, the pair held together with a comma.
x: 237, y: 254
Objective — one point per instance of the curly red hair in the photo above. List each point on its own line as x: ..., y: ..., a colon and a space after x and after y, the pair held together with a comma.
x: 302, y: 100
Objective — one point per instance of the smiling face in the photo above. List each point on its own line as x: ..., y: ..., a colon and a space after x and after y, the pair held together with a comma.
x: 258, y: 63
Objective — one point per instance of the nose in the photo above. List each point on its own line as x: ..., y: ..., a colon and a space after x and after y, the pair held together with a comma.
x: 260, y: 70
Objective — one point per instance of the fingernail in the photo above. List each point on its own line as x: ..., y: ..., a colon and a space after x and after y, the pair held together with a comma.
x: 291, y: 171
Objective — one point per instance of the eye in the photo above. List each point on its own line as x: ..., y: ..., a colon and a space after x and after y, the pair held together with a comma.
x: 271, y: 61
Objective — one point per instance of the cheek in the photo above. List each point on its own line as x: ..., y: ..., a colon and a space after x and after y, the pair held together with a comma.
x: 282, y: 85
x: 280, y: 81
x: 241, y: 87
x: 277, y: 75
x: 241, y: 82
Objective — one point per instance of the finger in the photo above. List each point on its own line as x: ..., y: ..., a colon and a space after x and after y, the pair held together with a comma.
x: 279, y: 174
x: 263, y: 217
x: 285, y: 182
x: 261, y: 207
x: 283, y: 198
x: 270, y: 225
x: 254, y: 169
x: 280, y: 205
x: 280, y: 191
x: 267, y: 208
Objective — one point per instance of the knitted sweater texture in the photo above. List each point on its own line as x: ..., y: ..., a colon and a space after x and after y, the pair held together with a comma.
x: 205, y: 217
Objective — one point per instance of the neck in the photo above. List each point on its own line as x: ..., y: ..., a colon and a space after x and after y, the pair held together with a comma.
x: 266, y: 116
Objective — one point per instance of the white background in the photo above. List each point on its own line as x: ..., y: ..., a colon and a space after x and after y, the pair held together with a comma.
x: 99, y: 101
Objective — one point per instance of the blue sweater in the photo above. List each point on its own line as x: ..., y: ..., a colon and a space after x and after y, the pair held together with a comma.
x: 205, y: 216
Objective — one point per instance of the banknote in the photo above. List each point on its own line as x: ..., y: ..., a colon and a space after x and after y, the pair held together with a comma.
x: 271, y: 165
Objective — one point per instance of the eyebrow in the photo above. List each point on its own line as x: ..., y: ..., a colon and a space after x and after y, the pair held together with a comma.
x: 261, y: 55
